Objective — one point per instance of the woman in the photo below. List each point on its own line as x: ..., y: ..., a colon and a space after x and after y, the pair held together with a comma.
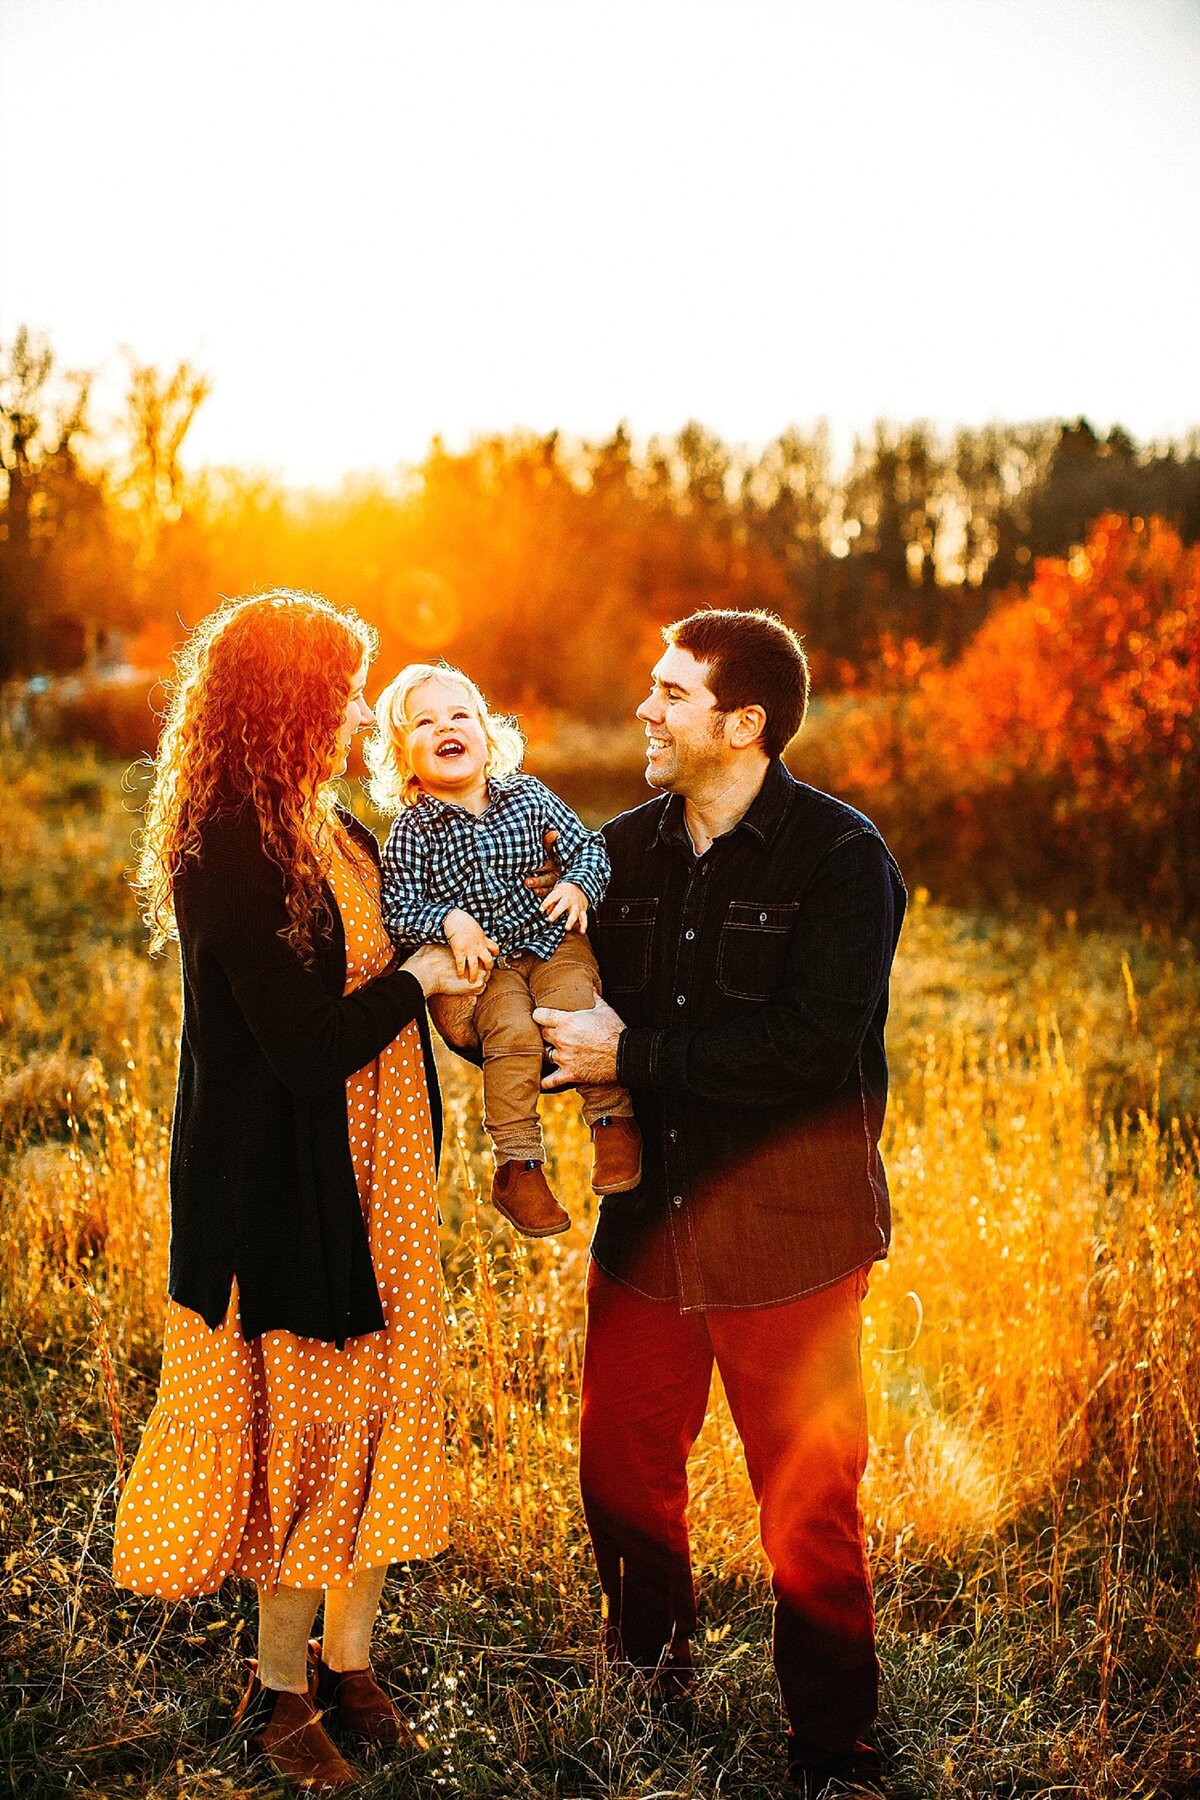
x: 297, y: 1437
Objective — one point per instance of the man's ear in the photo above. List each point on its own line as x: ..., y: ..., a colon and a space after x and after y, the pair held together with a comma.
x: 746, y: 726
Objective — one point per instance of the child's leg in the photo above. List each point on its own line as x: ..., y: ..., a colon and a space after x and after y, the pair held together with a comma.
x: 512, y: 1063
x: 512, y: 1082
x: 568, y: 980
x: 454, y: 1016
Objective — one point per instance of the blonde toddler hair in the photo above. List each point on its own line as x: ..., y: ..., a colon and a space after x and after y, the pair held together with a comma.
x: 393, y: 785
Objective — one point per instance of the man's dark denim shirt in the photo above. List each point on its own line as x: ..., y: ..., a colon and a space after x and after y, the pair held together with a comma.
x: 753, y: 982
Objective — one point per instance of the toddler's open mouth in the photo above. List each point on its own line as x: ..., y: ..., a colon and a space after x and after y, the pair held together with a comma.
x: 451, y: 747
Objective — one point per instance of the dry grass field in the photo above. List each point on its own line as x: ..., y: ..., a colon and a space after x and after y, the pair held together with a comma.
x: 1032, y: 1351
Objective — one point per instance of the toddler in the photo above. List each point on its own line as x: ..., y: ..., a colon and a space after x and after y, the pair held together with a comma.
x: 468, y: 831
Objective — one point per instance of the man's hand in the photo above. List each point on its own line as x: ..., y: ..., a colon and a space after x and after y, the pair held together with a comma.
x: 583, y: 1044
x: 474, y: 951
x: 567, y: 901
x: 543, y: 880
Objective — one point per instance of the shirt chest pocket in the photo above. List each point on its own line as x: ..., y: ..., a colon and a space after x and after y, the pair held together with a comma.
x: 752, y: 952
x: 624, y: 934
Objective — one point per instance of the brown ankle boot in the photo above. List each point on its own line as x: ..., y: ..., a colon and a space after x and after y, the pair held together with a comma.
x: 360, y: 1704
x: 287, y: 1729
x: 521, y: 1192
x: 616, y: 1155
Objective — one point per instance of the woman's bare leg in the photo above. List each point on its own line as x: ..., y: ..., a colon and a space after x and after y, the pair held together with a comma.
x: 350, y: 1615
x: 285, y: 1620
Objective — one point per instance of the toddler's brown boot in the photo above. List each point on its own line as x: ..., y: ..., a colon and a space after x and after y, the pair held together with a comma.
x: 521, y: 1192
x: 616, y: 1156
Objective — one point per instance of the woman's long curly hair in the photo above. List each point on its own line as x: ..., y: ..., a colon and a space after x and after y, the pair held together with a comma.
x: 260, y: 694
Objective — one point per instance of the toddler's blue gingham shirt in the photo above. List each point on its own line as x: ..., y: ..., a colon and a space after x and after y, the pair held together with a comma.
x: 440, y: 856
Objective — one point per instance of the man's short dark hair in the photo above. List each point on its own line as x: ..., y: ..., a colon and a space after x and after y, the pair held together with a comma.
x: 753, y: 659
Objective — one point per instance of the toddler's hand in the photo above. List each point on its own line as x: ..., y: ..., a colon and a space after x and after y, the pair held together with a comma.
x: 569, y: 902
x: 438, y: 973
x: 474, y: 951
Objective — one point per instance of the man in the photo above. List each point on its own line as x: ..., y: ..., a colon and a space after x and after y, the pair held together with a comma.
x: 745, y: 944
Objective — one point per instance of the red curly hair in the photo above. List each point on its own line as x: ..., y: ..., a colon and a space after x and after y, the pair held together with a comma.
x: 261, y: 692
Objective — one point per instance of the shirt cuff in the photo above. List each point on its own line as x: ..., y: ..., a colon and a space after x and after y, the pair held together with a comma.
x: 637, y: 1056
x: 411, y: 933
x: 587, y: 880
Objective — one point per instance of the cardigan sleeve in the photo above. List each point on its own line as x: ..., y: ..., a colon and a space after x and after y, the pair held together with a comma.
x: 230, y: 906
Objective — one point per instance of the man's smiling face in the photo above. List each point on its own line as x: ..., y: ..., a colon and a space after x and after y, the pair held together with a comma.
x: 685, y: 734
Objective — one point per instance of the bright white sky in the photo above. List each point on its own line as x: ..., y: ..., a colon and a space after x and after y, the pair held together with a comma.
x: 370, y: 222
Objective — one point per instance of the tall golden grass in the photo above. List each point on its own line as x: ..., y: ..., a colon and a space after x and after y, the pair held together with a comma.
x: 1035, y: 1325
x: 1031, y: 1348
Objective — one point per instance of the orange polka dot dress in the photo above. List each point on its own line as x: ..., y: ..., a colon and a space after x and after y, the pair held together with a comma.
x: 285, y: 1459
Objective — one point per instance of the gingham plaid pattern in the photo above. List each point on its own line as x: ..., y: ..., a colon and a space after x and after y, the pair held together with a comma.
x: 439, y: 856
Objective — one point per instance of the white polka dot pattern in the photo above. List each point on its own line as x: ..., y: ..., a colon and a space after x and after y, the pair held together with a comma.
x: 285, y: 1459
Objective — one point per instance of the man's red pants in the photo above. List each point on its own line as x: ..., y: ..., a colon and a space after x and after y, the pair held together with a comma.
x: 792, y: 1376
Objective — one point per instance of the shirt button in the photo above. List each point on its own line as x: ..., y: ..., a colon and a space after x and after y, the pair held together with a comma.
x: 676, y: 1199
x: 673, y: 1135
x: 689, y: 935
x: 762, y: 918
x: 681, y: 999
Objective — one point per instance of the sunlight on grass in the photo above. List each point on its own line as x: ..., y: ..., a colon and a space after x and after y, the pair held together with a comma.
x: 1030, y: 1352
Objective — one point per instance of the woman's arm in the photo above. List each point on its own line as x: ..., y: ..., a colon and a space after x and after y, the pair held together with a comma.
x: 231, y: 906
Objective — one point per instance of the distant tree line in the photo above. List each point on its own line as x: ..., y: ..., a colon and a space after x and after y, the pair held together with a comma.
x: 547, y: 564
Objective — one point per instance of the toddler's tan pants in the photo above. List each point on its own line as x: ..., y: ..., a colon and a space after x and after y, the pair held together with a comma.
x: 513, y: 1048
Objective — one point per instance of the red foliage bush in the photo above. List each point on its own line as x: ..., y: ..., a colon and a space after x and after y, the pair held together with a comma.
x: 1060, y: 756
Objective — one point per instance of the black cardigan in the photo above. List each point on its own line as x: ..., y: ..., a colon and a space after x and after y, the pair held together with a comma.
x: 262, y: 1183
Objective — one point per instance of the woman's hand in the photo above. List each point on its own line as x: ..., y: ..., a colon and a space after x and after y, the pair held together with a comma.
x: 474, y: 950
x: 435, y: 968
x: 567, y: 901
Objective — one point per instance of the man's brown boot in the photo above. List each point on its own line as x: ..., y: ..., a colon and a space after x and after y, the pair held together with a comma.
x: 360, y: 1704
x: 521, y: 1192
x: 287, y: 1729
x: 617, y: 1155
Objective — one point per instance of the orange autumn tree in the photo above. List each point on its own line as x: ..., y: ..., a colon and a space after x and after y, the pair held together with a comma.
x: 1080, y: 703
